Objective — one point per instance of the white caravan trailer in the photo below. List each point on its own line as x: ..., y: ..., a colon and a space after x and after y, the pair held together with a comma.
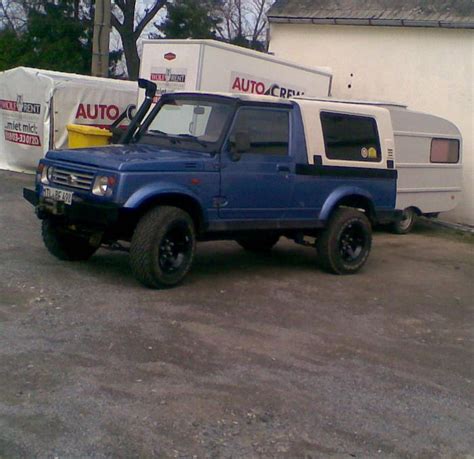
x: 426, y: 151
x: 209, y: 65
x: 429, y: 163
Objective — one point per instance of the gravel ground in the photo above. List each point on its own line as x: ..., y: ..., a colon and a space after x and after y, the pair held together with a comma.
x: 253, y: 356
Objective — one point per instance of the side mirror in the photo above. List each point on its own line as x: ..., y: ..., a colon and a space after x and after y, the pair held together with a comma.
x: 242, y: 141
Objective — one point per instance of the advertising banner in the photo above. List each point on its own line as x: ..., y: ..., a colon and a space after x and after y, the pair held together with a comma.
x: 36, y: 106
x: 25, y: 120
x: 89, y: 104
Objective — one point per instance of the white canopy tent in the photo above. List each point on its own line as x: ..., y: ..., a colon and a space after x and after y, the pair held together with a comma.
x: 36, y: 106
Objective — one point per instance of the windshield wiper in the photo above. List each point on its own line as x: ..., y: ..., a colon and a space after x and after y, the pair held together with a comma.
x: 157, y: 131
x: 193, y: 137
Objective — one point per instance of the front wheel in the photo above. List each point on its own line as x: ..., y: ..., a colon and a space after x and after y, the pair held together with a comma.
x: 162, y: 247
x: 63, y: 244
x: 344, y: 245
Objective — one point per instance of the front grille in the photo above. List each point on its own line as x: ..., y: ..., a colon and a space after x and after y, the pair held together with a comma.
x: 72, y: 178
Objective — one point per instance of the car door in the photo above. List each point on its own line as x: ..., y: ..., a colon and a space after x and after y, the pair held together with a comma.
x: 256, y: 177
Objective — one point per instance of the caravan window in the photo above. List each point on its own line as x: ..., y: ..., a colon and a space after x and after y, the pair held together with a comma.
x: 444, y: 151
x: 350, y: 137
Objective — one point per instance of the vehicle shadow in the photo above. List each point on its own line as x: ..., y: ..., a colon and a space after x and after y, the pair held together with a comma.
x: 214, y: 259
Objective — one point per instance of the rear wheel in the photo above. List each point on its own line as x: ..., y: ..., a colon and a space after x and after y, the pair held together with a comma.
x: 258, y: 242
x: 162, y: 247
x: 63, y: 244
x: 344, y: 245
x: 406, y: 223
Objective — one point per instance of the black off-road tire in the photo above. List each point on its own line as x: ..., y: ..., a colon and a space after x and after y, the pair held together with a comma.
x: 162, y: 247
x: 344, y: 245
x: 258, y: 242
x: 64, y: 245
x: 406, y: 223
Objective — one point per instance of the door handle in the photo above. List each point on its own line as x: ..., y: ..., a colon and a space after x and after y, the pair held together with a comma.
x: 283, y: 168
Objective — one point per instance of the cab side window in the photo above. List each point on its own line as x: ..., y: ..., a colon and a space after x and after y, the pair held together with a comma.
x: 350, y: 137
x: 260, y: 131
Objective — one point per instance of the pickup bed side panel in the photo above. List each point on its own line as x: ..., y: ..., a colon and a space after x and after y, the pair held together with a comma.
x: 318, y: 190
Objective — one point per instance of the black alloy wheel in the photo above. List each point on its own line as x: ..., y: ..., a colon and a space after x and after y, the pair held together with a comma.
x: 352, y: 242
x: 344, y: 245
x: 162, y: 247
x: 175, y: 249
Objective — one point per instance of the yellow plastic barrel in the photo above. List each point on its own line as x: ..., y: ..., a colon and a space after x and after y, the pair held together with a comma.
x: 80, y: 136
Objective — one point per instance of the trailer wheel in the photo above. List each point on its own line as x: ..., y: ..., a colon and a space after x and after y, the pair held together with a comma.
x: 63, y: 245
x: 406, y: 223
x: 259, y: 242
x: 344, y: 245
x: 162, y: 247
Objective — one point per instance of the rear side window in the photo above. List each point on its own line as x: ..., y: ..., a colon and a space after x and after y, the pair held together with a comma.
x: 444, y: 151
x: 266, y: 130
x: 350, y: 137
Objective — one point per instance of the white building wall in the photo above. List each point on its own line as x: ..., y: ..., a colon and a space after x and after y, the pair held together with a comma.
x: 428, y: 69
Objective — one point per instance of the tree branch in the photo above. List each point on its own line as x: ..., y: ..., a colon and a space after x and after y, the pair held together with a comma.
x: 116, y: 23
x: 150, y: 14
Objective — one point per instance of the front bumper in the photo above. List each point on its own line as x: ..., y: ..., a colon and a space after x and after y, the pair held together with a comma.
x: 80, y: 211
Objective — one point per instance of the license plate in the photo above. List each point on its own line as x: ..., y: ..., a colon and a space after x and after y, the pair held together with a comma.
x: 57, y: 195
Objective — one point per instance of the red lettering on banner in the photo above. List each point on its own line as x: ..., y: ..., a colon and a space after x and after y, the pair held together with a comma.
x: 25, y: 139
x: 113, y: 112
x: 81, y: 113
x: 8, y: 105
x: 89, y: 112
x: 97, y: 111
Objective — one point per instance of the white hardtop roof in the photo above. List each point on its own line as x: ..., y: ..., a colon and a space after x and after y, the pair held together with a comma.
x: 352, y: 101
x: 71, y: 77
x: 240, y: 50
x: 241, y: 96
x: 294, y: 99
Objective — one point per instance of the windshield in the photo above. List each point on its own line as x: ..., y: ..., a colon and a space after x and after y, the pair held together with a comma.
x: 197, y: 122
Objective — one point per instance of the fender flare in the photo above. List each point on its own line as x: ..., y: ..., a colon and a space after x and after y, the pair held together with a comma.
x: 153, y: 191
x: 340, y: 193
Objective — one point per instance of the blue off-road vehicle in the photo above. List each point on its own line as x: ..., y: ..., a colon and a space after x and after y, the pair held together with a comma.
x: 202, y: 166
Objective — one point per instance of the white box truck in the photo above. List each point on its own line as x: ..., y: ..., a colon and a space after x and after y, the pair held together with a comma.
x: 209, y: 65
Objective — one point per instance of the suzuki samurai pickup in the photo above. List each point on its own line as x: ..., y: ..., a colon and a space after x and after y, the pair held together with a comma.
x: 210, y: 166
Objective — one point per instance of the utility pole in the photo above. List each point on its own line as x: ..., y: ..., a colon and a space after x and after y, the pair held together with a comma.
x: 101, y: 39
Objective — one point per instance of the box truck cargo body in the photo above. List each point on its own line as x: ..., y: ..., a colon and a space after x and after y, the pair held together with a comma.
x: 209, y: 65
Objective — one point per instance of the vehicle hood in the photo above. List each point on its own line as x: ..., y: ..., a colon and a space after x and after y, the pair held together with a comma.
x: 136, y: 157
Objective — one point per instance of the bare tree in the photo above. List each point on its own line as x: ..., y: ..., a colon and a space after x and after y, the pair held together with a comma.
x: 130, y: 25
x: 258, y: 10
x: 243, y: 22
x: 14, y: 13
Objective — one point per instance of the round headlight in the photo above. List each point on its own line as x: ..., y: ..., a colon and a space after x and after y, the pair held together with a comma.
x: 102, y: 186
x: 45, y: 175
x: 50, y: 173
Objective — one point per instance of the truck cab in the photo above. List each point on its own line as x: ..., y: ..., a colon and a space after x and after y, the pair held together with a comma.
x: 206, y: 166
